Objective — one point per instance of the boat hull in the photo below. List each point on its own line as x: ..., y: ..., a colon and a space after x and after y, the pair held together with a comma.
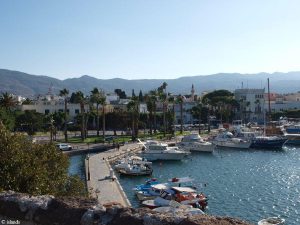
x: 199, y: 147
x: 227, y: 144
x: 268, y: 144
x: 163, y: 156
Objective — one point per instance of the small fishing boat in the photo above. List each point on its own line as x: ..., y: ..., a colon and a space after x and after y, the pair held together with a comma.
x: 136, y: 170
x: 147, y: 185
x: 152, y: 192
x: 183, y: 195
x: 156, y: 189
x: 194, y: 142
x: 272, y: 221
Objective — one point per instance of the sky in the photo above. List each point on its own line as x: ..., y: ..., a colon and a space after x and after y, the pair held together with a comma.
x: 161, y: 39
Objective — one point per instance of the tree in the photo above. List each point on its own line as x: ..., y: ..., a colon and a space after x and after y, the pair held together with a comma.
x: 197, y: 112
x: 96, y: 98
x: 132, y: 94
x: 37, y: 169
x: 163, y: 98
x: 7, y: 101
x: 221, y: 102
x: 64, y: 93
x: 133, y: 109
x: 78, y: 98
x: 153, y: 98
x: 141, y: 97
x: 7, y: 118
x: 179, y: 100
x: 121, y: 93
x: 30, y: 121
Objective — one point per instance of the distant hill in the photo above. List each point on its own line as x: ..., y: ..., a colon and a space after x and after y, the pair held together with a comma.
x: 28, y: 85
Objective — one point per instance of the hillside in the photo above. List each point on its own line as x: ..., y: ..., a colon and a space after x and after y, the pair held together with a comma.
x: 28, y: 85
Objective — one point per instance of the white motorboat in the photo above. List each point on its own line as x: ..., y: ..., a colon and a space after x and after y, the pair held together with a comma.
x: 131, y: 160
x: 194, y: 142
x: 226, y: 139
x: 272, y: 221
x: 161, y: 151
x: 136, y: 170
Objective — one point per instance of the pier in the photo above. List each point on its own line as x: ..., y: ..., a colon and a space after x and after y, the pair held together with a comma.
x: 101, y: 180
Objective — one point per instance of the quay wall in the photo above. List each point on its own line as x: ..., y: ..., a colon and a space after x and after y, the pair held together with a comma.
x: 25, y: 209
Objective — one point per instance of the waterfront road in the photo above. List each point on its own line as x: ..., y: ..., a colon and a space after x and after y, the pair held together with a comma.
x: 99, y: 176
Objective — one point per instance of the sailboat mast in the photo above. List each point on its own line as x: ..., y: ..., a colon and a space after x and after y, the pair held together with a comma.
x: 269, y: 99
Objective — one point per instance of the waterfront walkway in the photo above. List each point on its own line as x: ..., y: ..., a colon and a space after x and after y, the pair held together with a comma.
x: 98, y: 174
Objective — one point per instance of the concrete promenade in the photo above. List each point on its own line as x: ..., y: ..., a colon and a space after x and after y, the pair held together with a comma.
x: 98, y: 169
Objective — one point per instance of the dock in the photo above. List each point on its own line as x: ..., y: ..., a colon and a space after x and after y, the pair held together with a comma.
x: 99, y: 175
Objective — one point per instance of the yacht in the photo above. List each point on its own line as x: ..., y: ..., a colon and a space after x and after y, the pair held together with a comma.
x: 226, y: 139
x: 194, y: 142
x: 153, y: 150
x: 268, y: 142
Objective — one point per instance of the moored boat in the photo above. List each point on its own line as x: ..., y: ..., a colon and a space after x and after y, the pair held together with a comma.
x: 227, y: 139
x: 183, y: 195
x: 161, y: 151
x: 136, y: 170
x: 268, y: 142
x: 292, y: 139
x: 194, y: 142
x: 131, y: 160
x: 272, y: 221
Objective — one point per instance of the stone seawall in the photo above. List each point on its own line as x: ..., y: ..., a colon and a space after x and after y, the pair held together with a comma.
x: 17, y: 208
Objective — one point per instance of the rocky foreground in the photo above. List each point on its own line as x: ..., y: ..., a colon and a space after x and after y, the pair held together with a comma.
x: 24, y: 209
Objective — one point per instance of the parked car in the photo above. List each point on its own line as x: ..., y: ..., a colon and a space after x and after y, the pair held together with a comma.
x: 64, y: 147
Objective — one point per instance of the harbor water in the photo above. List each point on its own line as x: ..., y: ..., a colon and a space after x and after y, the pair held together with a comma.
x: 247, y: 184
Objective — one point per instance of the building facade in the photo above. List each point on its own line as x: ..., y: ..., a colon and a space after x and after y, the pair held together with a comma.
x: 251, y: 104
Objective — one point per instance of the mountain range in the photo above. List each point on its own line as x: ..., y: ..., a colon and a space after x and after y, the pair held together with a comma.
x: 28, y: 85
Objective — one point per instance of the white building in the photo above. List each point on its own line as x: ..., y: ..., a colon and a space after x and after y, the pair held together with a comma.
x: 251, y: 103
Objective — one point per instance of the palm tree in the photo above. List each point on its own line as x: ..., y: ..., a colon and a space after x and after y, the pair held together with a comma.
x: 102, y: 101
x: 79, y: 99
x: 133, y: 108
x: 64, y: 93
x: 163, y: 98
x: 153, y: 97
x: 96, y: 97
x: 150, y: 108
x: 179, y: 100
x: 196, y: 112
x: 7, y: 101
x: 171, y: 100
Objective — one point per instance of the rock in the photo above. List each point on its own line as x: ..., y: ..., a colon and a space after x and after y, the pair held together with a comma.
x: 47, y: 210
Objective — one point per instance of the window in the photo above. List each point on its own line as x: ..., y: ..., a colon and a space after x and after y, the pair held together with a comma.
x: 76, y: 111
x: 47, y: 111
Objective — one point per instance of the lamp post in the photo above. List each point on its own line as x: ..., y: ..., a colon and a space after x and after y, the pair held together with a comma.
x: 88, y: 159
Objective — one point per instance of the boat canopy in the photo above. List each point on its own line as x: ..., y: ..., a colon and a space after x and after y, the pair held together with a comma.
x: 184, y: 189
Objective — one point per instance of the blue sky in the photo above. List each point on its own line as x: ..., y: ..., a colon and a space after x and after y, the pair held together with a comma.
x: 149, y: 39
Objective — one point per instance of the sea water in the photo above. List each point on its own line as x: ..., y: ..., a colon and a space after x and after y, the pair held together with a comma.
x: 247, y: 184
